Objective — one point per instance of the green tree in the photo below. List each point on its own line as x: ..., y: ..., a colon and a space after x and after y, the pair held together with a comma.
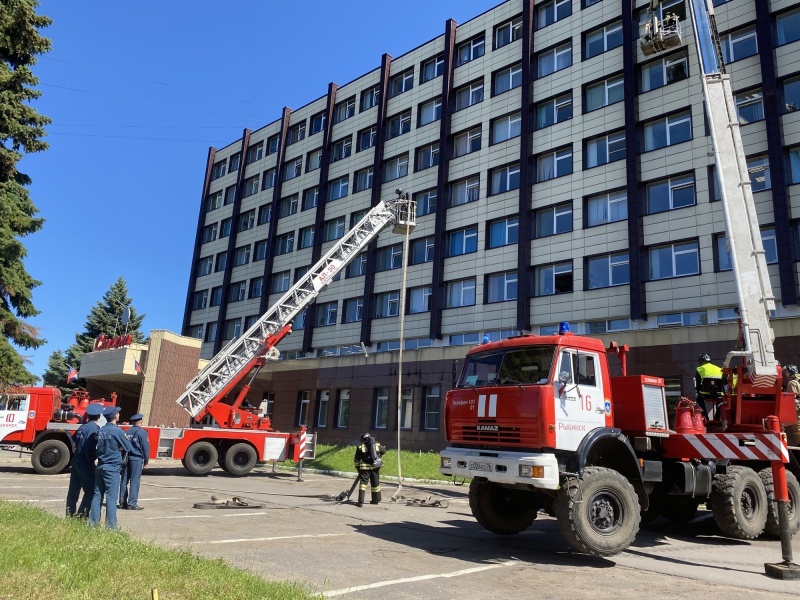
x: 21, y: 130
x: 56, y: 373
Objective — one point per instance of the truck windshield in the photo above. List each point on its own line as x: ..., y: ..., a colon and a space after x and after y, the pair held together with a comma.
x: 514, y: 366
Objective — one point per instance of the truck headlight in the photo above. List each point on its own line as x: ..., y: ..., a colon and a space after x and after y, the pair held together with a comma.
x: 445, y: 462
x: 531, y: 471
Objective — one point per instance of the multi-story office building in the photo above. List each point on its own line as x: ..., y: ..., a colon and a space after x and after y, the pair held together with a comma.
x: 559, y: 174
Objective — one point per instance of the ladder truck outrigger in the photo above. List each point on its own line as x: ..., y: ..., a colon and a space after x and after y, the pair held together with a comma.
x: 538, y: 422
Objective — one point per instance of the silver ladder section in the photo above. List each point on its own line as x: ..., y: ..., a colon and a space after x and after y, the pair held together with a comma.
x: 239, y: 353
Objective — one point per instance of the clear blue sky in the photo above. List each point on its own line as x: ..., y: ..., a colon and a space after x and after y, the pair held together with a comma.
x: 138, y: 91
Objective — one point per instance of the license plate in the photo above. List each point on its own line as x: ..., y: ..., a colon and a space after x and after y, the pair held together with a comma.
x: 480, y: 466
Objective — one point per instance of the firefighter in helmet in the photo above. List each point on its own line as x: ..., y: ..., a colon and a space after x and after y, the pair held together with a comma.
x: 368, y: 462
x: 708, y: 381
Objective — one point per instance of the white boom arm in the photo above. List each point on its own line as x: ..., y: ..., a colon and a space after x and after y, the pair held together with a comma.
x: 232, y: 361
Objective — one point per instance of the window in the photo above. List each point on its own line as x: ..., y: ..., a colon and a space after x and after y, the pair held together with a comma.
x: 674, y: 260
x: 465, y: 191
x: 313, y: 160
x: 607, y: 271
x: 606, y: 208
x: 739, y: 45
x: 357, y: 267
x: 460, y: 293
x: 333, y: 229
x: 550, y: 12
x: 669, y: 194
x: 723, y: 253
x: 394, y: 168
x: 353, y: 310
x: 305, y: 237
x: 554, y: 164
x: 406, y: 407
x: 432, y: 68
x: 296, y: 133
x: 390, y: 257
x: 791, y: 94
x: 759, y: 173
x: 343, y: 410
x: 344, y: 110
x: 462, y: 241
x: 422, y: 250
x: 216, y: 296
x: 686, y: 319
x: 247, y: 220
x: 668, y: 131
x: 402, y: 82
x: 554, y: 279
x: 770, y: 244
x: 256, y: 287
x: 322, y: 408
x: 794, y: 166
x: 232, y: 329
x: 427, y: 157
x: 272, y: 144
x: 200, y: 300
x: 507, y: 79
x: 250, y: 186
x: 787, y: 27
x: 399, y: 124
x: 285, y: 243
x: 366, y: 138
x: 230, y: 195
x: 292, y: 169
x: 508, y: 32
x: 501, y: 287
x: 664, y: 71
x: 604, y: 93
x: 381, y: 408
x: 370, y: 97
x: 234, y: 162
x: 554, y: 60
x: 241, y: 256
x: 214, y: 201
x: 268, y: 180
x: 338, y: 188
x: 431, y: 410
x: 387, y: 305
x: 310, y: 198
x: 595, y: 327
x: 430, y: 111
x: 750, y: 106
x: 221, y: 262
x: 426, y: 202
x: 467, y: 141
x: 505, y: 179
x: 603, y: 39
x: 552, y: 111
x: 419, y: 300
x: 469, y: 95
x: 503, y: 232
x: 326, y: 313
x: 342, y: 148
x: 300, y: 272
x: 261, y: 250
x: 304, y: 399
x: 318, y: 122
x: 219, y: 169
x: 300, y: 321
x: 264, y: 214
x: 209, y: 233
x: 288, y: 206
x: 470, y: 50
x: 363, y: 179
x: 553, y: 220
x: 197, y: 331
x: 464, y: 339
x: 225, y: 227
x: 606, y: 149
x: 254, y: 153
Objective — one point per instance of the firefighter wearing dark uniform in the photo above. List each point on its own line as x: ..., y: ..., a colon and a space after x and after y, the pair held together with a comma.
x: 112, y: 446
x: 705, y: 370
x: 137, y: 460
x: 368, y: 463
x: 81, y: 475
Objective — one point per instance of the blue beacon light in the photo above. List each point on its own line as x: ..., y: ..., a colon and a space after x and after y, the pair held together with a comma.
x: 563, y: 327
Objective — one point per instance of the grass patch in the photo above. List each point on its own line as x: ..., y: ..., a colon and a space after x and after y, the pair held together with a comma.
x: 44, y: 556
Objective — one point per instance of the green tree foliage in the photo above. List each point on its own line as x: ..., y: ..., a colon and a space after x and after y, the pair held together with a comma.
x: 56, y: 373
x: 21, y: 130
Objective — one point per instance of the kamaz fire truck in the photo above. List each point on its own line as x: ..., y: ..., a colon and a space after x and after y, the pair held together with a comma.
x: 539, y: 422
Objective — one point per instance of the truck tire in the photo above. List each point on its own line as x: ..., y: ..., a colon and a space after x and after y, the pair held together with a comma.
x: 200, y: 458
x: 793, y: 487
x: 680, y: 509
x: 50, y: 457
x: 739, y: 503
x: 598, y: 515
x: 240, y: 459
x: 501, y: 510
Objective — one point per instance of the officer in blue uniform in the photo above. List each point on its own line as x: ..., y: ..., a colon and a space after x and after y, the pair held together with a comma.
x: 137, y: 460
x: 84, y: 453
x: 112, y: 446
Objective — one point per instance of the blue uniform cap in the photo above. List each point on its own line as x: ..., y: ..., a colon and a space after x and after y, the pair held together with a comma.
x: 136, y: 417
x: 94, y: 410
x: 110, y: 411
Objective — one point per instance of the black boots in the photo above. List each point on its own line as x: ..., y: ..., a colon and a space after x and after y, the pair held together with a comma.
x: 361, y: 495
x: 376, y: 498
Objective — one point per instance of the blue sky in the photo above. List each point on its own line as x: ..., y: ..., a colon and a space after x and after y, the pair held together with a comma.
x: 138, y: 91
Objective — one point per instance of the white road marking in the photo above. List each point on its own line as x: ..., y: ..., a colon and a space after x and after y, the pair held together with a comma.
x: 31, y: 500
x: 180, y: 517
x: 16, y: 487
x: 371, y: 586
x: 270, y: 539
x: 244, y: 514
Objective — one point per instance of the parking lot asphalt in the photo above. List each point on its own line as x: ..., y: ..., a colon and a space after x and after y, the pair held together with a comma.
x: 397, y: 550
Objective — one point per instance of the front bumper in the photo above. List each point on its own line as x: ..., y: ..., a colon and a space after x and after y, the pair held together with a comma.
x: 502, y: 467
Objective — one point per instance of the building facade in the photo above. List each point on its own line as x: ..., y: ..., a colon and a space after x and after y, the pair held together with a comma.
x: 559, y: 174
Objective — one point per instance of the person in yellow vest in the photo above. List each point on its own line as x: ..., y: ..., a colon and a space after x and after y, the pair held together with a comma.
x: 706, y: 370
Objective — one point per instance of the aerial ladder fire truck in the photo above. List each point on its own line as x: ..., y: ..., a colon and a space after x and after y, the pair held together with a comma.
x: 240, y: 437
x: 538, y: 422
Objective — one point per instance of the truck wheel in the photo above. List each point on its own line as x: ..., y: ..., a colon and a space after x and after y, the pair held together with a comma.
x: 501, y: 510
x: 200, y: 458
x: 240, y: 459
x: 679, y: 509
x: 598, y: 515
x: 739, y: 503
x: 50, y: 457
x: 793, y: 487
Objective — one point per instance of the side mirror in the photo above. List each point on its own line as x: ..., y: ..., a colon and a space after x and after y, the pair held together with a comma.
x: 564, y: 377
x: 455, y: 373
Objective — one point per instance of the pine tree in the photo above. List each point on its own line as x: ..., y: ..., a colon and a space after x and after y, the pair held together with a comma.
x: 21, y: 129
x: 56, y: 373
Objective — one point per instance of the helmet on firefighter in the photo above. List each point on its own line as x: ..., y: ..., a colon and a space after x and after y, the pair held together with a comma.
x: 365, y: 437
x: 704, y: 358
x: 792, y: 370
